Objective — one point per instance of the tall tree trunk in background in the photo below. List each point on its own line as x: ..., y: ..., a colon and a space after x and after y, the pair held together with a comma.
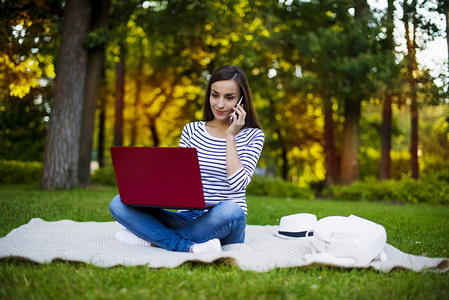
x: 60, y: 168
x: 329, y: 141
x: 154, y: 133
x: 280, y: 142
x: 285, y: 166
x: 101, y: 133
x: 414, y: 163
x: 138, y: 99
x: 119, y: 100
x: 385, y: 132
x: 410, y: 36
x: 350, y: 147
x: 349, y: 164
x: 122, y: 17
x: 100, y: 18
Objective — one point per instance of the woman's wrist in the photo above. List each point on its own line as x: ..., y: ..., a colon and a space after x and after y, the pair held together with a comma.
x: 230, y: 136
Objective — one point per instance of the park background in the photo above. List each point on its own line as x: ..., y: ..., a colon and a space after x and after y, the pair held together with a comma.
x: 350, y: 102
x: 347, y: 108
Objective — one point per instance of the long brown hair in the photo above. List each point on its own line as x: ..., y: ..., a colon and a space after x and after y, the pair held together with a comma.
x: 235, y: 73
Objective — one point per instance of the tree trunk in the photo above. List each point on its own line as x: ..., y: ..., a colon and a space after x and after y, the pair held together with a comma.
x: 60, y: 168
x: 154, y: 134
x: 329, y: 141
x: 138, y: 99
x: 414, y: 105
x: 349, y: 164
x: 414, y: 164
x: 349, y: 167
x: 285, y: 167
x: 410, y: 36
x: 119, y: 102
x: 101, y: 133
x: 100, y: 17
x: 385, y: 133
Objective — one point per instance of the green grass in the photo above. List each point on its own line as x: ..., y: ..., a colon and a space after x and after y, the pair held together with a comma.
x: 416, y: 229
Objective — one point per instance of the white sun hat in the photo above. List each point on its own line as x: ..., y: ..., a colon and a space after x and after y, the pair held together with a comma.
x: 295, y: 226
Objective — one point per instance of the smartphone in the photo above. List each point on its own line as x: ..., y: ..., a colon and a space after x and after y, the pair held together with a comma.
x: 238, y: 103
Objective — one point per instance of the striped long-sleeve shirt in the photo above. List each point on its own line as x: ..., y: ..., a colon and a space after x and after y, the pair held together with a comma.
x: 217, y: 185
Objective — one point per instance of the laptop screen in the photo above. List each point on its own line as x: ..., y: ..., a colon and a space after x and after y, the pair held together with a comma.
x: 158, y: 177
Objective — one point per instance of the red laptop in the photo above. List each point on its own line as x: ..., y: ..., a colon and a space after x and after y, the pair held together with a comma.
x: 158, y: 177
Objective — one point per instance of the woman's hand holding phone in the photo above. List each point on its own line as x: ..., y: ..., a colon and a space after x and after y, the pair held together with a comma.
x: 237, y: 118
x: 231, y: 119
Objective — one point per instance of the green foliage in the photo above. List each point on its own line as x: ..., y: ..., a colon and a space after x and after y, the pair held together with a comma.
x: 405, y: 190
x: 23, y: 126
x: 268, y: 186
x: 98, y: 38
x: 370, y: 164
x: 19, y: 172
x: 436, y: 168
x: 104, y: 176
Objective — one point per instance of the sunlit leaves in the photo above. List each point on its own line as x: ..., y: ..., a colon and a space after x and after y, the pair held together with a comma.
x: 26, y: 56
x: 24, y: 73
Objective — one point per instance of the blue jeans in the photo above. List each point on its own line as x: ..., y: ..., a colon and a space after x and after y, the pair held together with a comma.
x: 179, y: 231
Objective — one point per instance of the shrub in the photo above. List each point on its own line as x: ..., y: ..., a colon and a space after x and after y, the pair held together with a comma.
x: 405, y: 190
x: 370, y: 165
x: 268, y: 186
x: 104, y: 176
x: 19, y: 172
x: 435, y: 168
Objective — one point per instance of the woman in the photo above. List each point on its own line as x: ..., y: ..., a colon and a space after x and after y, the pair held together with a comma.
x: 229, y: 142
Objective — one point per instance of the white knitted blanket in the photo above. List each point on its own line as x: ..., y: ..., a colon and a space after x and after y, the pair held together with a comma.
x: 94, y: 243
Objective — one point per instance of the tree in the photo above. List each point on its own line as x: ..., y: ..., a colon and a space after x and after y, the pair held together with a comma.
x: 355, y: 81
x: 388, y: 48
x: 410, y: 20
x: 28, y: 36
x: 138, y: 94
x: 96, y: 58
x: 287, y: 82
x: 418, y: 30
x: 122, y: 11
x: 101, y: 133
x: 61, y: 154
x: 331, y: 160
x: 119, y: 97
x: 27, y: 45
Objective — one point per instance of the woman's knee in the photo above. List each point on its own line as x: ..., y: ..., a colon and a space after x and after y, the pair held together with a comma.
x: 115, y: 205
x: 230, y: 210
x: 233, y: 216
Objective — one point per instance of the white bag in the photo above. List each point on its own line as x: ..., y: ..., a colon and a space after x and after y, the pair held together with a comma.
x: 349, y: 237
